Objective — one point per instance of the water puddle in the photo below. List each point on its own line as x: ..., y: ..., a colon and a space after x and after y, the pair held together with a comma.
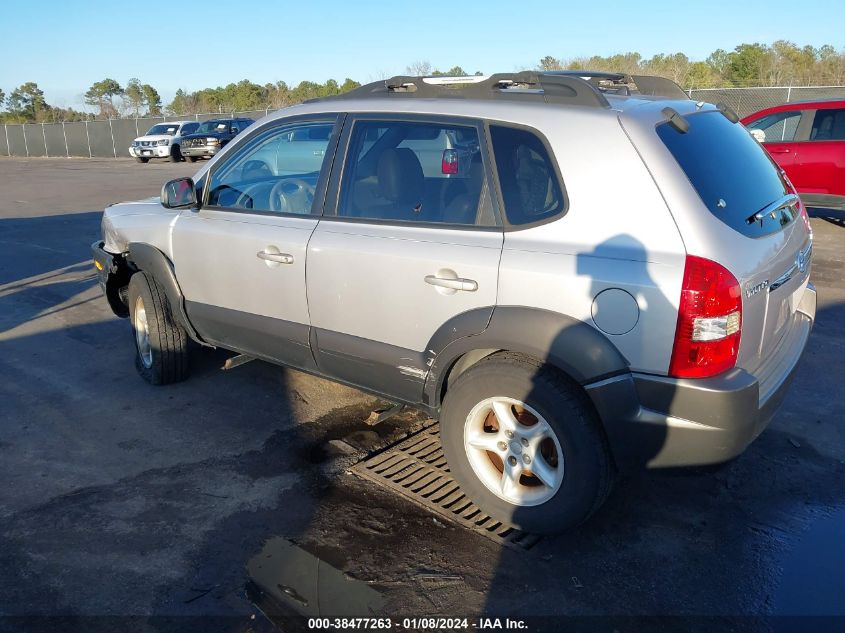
x: 814, y: 572
x: 288, y: 581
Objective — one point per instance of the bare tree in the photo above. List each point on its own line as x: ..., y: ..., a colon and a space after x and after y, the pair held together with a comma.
x: 419, y: 69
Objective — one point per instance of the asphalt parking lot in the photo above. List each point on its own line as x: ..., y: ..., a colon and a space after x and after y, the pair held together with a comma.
x: 119, y: 498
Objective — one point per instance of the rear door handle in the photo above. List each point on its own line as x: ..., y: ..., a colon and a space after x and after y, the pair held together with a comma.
x: 467, y: 285
x: 281, y: 258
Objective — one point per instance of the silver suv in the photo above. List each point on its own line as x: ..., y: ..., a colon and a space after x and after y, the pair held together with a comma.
x: 163, y: 140
x: 575, y: 278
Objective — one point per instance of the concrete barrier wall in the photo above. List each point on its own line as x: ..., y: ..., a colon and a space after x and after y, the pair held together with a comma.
x: 89, y: 139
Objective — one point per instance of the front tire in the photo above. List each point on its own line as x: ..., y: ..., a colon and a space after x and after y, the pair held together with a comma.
x: 192, y: 159
x: 161, y: 344
x: 138, y: 159
x: 524, y: 444
x: 175, y: 154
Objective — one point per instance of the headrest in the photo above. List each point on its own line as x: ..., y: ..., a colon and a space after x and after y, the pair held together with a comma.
x: 400, y: 175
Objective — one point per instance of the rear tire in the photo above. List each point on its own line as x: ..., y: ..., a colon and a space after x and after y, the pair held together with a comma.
x: 548, y: 426
x: 192, y: 159
x: 175, y: 154
x: 138, y: 159
x: 161, y: 344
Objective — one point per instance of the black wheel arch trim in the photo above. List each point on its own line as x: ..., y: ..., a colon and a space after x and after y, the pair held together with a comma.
x: 151, y: 260
x: 579, y: 350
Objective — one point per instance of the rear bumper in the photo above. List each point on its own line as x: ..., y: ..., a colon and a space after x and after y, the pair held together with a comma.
x: 823, y: 201
x: 657, y: 421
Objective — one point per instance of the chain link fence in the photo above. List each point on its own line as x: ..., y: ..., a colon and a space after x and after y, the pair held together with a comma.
x: 745, y: 101
x: 112, y: 138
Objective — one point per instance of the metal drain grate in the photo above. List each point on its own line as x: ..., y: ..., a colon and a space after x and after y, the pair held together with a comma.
x: 416, y: 468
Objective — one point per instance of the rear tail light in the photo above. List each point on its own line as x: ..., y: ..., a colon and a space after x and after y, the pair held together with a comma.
x: 709, y: 321
x: 449, y: 164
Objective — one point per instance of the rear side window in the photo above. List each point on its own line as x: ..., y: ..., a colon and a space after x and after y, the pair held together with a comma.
x: 529, y: 183
x: 409, y: 171
x: 828, y: 125
x: 732, y: 173
x: 776, y: 128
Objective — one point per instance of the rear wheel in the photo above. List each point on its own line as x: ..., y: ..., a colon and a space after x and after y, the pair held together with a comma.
x: 138, y: 159
x: 161, y: 344
x: 175, y: 154
x: 524, y: 445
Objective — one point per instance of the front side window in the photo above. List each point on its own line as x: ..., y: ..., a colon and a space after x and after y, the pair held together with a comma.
x: 779, y: 127
x: 530, y: 188
x: 189, y: 128
x: 828, y: 125
x: 276, y: 171
x: 409, y: 171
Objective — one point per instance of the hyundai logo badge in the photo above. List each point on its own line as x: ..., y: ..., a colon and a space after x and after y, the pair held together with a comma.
x: 801, y: 262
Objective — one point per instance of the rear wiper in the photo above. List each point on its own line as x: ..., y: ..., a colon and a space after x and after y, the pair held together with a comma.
x: 772, y: 209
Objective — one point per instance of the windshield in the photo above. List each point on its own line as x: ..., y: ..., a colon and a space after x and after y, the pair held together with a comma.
x: 213, y: 126
x: 163, y: 128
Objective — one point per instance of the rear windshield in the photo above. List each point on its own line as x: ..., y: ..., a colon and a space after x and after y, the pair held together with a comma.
x: 732, y: 173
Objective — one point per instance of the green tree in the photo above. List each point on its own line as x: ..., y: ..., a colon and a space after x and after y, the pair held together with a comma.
x: 183, y: 103
x: 701, y: 75
x: 26, y: 102
x: 152, y: 100
x: 718, y: 62
x: 2, y: 97
x: 550, y: 63
x: 134, y: 94
x: 349, y: 84
x: 748, y: 64
x: 457, y: 71
x: 101, y: 94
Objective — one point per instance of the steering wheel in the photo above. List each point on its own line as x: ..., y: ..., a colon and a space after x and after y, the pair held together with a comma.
x: 291, y: 195
x: 244, y: 201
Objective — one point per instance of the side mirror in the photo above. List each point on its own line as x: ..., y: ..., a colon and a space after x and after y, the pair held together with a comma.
x: 235, y: 130
x: 179, y: 193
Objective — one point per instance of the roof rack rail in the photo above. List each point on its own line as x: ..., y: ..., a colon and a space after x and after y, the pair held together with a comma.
x: 524, y: 85
x: 625, y: 84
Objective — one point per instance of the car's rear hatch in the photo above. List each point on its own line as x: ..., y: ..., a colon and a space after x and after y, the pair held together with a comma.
x: 769, y: 243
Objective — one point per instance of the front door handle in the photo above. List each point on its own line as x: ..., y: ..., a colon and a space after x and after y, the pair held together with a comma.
x: 280, y: 258
x: 467, y: 285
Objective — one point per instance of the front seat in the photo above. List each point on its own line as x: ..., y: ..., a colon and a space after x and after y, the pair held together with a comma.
x: 401, y: 184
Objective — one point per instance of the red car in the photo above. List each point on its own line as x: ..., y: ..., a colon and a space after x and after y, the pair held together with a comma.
x: 808, y: 141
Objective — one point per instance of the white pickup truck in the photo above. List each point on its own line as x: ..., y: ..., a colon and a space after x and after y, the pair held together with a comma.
x: 163, y: 140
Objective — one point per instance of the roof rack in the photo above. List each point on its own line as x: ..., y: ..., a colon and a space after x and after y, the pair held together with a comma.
x: 525, y: 85
x: 625, y: 84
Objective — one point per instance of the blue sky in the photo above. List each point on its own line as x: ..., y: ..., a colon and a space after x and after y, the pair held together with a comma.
x: 65, y: 46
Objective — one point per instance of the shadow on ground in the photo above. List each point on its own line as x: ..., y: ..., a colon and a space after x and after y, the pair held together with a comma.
x: 126, y: 500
